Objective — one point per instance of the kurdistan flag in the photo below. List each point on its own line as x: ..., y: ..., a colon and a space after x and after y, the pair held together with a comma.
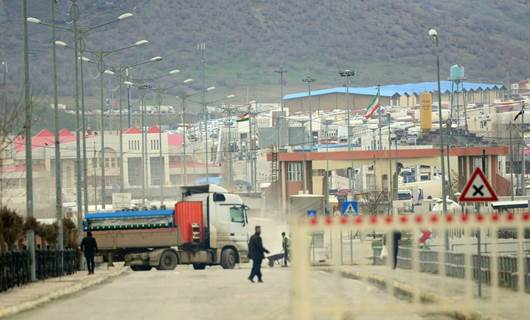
x: 373, y: 106
x: 244, y: 117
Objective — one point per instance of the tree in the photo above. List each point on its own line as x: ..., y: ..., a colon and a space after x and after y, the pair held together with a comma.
x: 11, y: 228
x: 11, y: 119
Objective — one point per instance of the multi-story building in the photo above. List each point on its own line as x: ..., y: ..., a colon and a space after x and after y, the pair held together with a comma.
x: 168, y: 169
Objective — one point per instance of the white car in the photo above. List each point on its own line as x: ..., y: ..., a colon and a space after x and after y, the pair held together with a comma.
x: 452, y: 206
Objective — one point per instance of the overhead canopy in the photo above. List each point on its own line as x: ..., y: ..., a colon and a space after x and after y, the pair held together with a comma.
x: 398, y: 89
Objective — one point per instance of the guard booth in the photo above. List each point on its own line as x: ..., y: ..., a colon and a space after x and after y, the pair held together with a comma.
x: 312, y: 205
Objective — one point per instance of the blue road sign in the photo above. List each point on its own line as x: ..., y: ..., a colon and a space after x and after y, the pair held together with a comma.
x: 349, y: 208
x: 311, y: 213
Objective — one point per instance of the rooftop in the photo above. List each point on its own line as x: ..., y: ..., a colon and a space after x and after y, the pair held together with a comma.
x: 398, y: 89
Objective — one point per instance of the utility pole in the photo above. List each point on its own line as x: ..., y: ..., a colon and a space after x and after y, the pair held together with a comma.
x: 379, y: 125
x: 308, y: 80
x: 58, y: 175
x: 161, y: 160
x: 121, y: 78
x: 523, y: 145
x: 390, y: 175
x: 30, y: 235
x: 183, y: 158
x: 230, y: 161
x: 129, y: 120
x: 279, y: 125
x: 3, y: 111
x: 83, y: 125
x: 144, y: 140
x: 101, y: 69
x: 202, y: 47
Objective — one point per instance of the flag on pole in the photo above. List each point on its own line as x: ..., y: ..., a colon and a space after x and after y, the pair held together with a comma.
x: 373, y: 106
x: 244, y: 117
x: 521, y: 113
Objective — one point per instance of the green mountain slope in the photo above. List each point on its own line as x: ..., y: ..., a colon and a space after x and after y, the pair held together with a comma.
x: 384, y: 41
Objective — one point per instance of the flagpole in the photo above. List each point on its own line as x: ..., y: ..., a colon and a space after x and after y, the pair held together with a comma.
x: 379, y: 125
x: 523, y: 144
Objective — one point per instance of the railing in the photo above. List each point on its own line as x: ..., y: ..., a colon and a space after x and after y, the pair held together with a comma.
x: 15, y: 266
x: 455, y: 266
x: 462, y: 280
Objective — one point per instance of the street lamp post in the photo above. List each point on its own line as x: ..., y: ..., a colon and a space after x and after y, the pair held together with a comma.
x: 79, y: 32
x: 308, y: 81
x: 122, y: 72
x: 434, y: 36
x: 27, y: 131
x: 102, y: 69
x: 58, y: 187
x: 183, y: 98
x: 348, y: 74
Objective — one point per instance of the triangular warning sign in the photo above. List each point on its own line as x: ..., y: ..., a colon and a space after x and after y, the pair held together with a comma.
x: 349, y: 209
x: 478, y: 189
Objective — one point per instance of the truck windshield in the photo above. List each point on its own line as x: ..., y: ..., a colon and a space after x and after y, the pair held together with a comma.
x: 237, y: 214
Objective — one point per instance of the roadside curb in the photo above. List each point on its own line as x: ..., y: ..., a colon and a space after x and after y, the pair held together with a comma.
x: 25, y: 306
x: 410, y: 291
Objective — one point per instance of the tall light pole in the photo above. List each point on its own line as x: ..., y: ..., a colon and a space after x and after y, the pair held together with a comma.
x: 122, y: 72
x: 30, y: 235
x: 308, y: 81
x: 102, y: 69
x: 228, y: 152
x: 57, y: 165
x: 183, y: 98
x: 58, y: 175
x: 202, y: 48
x: 279, y: 124
x: 348, y: 74
x: 79, y: 34
x: 3, y: 111
x: 434, y: 36
x: 143, y: 85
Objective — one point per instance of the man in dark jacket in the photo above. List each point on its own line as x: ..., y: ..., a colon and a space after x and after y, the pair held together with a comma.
x: 285, y: 247
x: 256, y: 253
x: 89, y: 247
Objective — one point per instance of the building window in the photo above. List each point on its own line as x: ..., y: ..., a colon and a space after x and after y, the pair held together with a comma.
x: 294, y: 171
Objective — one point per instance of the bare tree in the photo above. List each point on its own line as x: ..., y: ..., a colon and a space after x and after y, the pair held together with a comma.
x: 11, y: 126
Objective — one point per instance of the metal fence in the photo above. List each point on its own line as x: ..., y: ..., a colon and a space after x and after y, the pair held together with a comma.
x: 455, y: 266
x: 15, y: 266
x: 349, y: 249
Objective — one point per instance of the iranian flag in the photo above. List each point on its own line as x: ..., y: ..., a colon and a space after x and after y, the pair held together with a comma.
x: 372, y: 107
x: 244, y: 117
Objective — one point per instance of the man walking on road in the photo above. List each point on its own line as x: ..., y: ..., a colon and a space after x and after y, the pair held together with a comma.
x: 256, y: 252
x: 89, y: 247
x: 285, y: 247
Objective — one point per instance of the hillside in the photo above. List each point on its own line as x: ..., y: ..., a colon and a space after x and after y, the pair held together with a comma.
x: 384, y: 41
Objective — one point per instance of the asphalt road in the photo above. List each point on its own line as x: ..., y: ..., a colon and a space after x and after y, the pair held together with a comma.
x: 213, y: 293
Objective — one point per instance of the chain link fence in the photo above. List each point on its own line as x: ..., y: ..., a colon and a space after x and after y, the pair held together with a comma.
x: 15, y: 266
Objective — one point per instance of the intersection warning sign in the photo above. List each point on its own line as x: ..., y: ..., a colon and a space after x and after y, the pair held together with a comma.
x: 478, y: 189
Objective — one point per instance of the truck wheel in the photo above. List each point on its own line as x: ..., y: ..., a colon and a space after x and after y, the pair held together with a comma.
x: 199, y: 266
x: 168, y: 260
x: 140, y: 268
x: 228, y: 258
